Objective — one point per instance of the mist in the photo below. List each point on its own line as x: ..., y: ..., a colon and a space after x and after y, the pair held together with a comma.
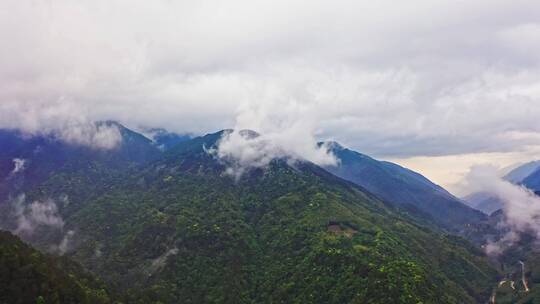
x: 521, y: 207
x: 19, y: 165
x: 30, y: 217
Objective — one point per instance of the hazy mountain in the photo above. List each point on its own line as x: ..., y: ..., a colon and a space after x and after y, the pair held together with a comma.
x: 484, y: 201
x: 174, y: 227
x: 404, y: 188
x: 517, y: 175
x: 164, y: 139
x: 533, y: 181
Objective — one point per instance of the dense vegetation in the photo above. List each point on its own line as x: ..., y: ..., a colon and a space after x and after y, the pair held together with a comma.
x: 28, y: 276
x: 177, y: 229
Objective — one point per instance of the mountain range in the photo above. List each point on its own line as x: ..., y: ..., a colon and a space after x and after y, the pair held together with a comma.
x: 167, y: 224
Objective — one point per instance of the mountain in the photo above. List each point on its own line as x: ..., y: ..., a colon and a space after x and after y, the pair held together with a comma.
x: 404, y: 188
x: 533, y: 181
x: 484, y: 201
x: 517, y: 175
x: 175, y: 227
x: 28, y: 276
x: 164, y: 139
x: 26, y: 160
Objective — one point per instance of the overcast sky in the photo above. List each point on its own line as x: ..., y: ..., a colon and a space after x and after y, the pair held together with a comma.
x: 434, y: 85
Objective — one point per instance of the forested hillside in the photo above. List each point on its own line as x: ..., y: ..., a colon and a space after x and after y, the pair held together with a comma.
x: 179, y: 229
x: 28, y: 276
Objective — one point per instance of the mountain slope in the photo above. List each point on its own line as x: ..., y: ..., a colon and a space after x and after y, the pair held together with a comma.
x: 27, y: 276
x: 404, y: 188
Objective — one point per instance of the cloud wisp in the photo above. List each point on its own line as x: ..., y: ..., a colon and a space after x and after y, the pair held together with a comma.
x: 65, y: 243
x: 18, y: 165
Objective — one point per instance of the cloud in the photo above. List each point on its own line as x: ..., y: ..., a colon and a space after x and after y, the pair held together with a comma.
x: 65, y: 243
x: 390, y: 79
x: 37, y: 214
x: 285, y: 129
x: 494, y: 248
x: 521, y: 207
x: 242, y: 150
x: 19, y: 165
x: 96, y: 135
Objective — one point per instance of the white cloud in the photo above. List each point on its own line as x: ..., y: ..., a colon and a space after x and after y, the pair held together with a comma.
x: 390, y: 79
x: 240, y: 151
x: 285, y: 128
x: 101, y: 136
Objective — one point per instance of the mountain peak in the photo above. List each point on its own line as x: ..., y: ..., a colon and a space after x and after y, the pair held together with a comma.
x: 332, y: 145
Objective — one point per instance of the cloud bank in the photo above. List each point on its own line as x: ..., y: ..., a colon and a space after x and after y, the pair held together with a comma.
x: 390, y: 79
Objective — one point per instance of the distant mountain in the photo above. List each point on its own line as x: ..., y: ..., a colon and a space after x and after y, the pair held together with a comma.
x: 533, y: 181
x: 484, y: 201
x: 519, y: 174
x: 28, y: 276
x: 404, y: 188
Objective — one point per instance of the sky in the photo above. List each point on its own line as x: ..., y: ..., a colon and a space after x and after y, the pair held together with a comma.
x: 437, y: 86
